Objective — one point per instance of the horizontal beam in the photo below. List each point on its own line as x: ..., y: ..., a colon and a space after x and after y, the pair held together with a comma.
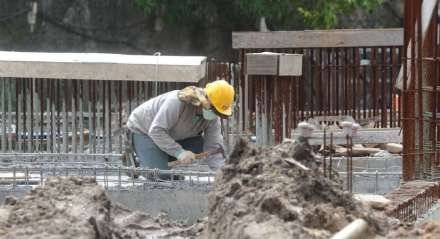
x: 365, y: 136
x: 98, y: 66
x: 318, y: 38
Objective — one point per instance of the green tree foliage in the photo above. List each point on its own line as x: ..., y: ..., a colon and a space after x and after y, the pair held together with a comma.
x: 243, y: 14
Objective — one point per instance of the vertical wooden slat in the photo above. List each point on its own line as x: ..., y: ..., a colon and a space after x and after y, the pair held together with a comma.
x: 395, y: 52
x: 10, y: 86
x: 99, y: 114
x: 120, y: 109
x: 320, y: 84
x: 358, y: 81
x: 49, y: 124
x: 65, y: 122
x: 329, y: 81
x: 93, y: 108
x: 312, y: 68
x: 104, y: 117
x: 108, y: 117
x: 129, y: 96
x: 91, y: 114
x: 384, y: 87
x: 373, y: 80
x: 364, y: 84
x: 53, y: 114
x: 74, y: 105
x: 31, y: 124
x: 3, y: 110
x: 336, y: 85
x: 42, y: 96
x: 81, y: 99
x: 347, y: 70
x: 24, y: 104
x: 58, y: 115
x: 125, y: 104
x: 37, y: 112
x: 18, y: 114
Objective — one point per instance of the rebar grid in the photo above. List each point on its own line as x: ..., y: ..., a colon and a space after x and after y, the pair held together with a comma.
x: 420, y: 91
x: 413, y: 200
x: 111, y: 177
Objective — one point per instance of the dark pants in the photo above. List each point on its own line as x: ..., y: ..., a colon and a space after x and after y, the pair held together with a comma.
x: 151, y: 156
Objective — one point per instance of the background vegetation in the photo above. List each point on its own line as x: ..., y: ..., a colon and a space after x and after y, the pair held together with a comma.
x: 244, y: 14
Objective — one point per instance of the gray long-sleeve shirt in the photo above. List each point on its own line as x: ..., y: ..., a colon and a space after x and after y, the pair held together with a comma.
x: 166, y: 119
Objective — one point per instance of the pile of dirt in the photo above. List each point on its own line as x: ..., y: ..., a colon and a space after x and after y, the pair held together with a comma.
x: 76, y: 208
x: 262, y: 194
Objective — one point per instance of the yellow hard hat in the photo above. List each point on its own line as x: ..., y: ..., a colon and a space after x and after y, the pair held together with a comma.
x: 221, y: 95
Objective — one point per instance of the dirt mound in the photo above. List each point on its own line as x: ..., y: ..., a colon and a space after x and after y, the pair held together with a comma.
x: 261, y: 194
x: 75, y: 208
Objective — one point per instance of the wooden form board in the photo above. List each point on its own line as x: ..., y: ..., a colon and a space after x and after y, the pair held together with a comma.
x: 365, y: 136
x: 318, y: 38
x: 98, y: 66
x: 270, y: 63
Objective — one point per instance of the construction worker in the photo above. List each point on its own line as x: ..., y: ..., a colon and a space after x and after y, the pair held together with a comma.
x: 180, y: 124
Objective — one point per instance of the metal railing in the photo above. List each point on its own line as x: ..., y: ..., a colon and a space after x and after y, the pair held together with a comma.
x: 415, y: 202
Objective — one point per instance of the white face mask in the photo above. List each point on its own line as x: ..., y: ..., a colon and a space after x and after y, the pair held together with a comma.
x: 209, y: 115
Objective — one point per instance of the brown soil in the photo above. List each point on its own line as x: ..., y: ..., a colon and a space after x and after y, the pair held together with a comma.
x: 259, y: 195
x: 75, y: 208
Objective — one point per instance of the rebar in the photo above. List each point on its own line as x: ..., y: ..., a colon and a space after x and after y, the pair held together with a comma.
x: 413, y: 199
x: 109, y: 176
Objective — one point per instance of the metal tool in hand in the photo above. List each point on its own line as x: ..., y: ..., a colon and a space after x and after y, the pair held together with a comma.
x: 198, y: 157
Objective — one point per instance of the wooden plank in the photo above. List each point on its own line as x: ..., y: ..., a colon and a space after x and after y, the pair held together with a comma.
x: 365, y: 136
x: 10, y: 121
x: 3, y: 109
x: 98, y: 66
x: 262, y: 63
x: 318, y: 38
x: 81, y: 96
x: 38, y: 113
x: 88, y: 92
x: 49, y: 116
x: 99, y: 132
x: 107, y: 113
x: 30, y: 112
x: 64, y: 120
x: 74, y: 102
x: 17, y: 117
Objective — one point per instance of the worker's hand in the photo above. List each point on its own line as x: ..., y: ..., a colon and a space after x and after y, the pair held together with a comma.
x: 186, y: 156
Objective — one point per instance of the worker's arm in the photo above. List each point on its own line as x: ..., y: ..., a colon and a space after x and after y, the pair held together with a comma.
x: 213, y: 138
x: 164, y: 120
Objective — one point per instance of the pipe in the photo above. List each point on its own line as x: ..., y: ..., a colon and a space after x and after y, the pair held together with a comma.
x: 356, y: 229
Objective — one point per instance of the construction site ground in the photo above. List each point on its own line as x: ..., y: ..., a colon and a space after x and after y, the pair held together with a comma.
x: 279, y: 192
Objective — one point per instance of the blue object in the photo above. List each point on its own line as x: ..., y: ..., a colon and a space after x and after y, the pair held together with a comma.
x: 151, y: 156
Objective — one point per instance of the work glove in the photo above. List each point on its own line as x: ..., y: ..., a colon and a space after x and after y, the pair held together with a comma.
x: 215, y: 162
x: 186, y: 156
